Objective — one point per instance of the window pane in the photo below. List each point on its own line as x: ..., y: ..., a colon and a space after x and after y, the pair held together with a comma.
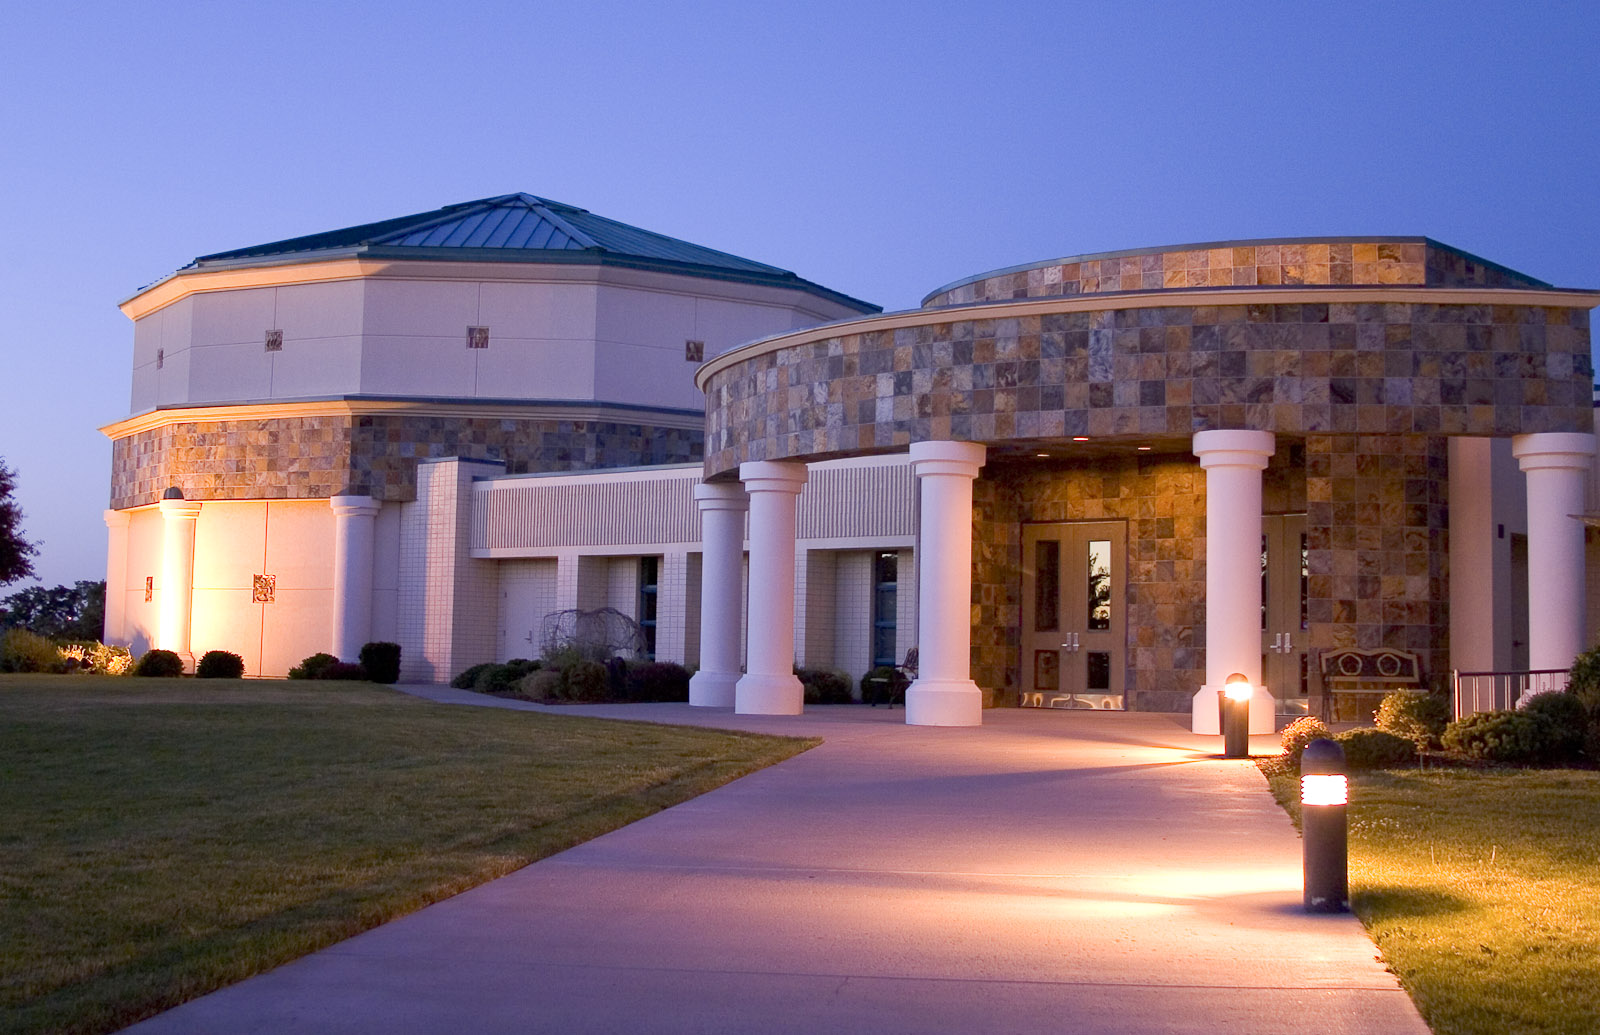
x: 1305, y: 583
x: 1264, y: 583
x: 1100, y: 584
x: 1098, y: 677
x: 1046, y: 585
x: 1046, y: 670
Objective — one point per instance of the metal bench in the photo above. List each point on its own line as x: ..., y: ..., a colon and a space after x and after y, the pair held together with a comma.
x: 1351, y: 681
x: 888, y: 690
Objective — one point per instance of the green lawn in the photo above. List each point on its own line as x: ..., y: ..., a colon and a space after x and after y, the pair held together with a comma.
x: 161, y: 838
x: 1482, y: 889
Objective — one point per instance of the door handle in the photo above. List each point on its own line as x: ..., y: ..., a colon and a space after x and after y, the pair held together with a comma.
x: 1071, y: 643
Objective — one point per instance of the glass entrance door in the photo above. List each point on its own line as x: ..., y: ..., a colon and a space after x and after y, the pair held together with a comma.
x: 1285, y: 577
x: 1074, y: 627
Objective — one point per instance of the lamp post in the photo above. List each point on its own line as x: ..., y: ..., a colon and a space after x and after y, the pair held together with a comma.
x: 1234, y: 716
x: 1324, y: 793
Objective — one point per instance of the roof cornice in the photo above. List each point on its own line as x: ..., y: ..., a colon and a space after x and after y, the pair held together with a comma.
x: 355, y: 406
x: 1566, y: 298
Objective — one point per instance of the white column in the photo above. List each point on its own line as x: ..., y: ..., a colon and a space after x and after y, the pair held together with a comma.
x: 1556, y: 465
x: 352, y: 574
x: 116, y: 578
x: 722, y: 509
x: 770, y: 686
x: 178, y: 517
x: 1233, y: 462
x: 944, y: 693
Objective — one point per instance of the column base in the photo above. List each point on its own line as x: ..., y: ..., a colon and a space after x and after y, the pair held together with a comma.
x: 944, y: 702
x: 757, y: 694
x: 712, y: 689
x: 1206, y: 722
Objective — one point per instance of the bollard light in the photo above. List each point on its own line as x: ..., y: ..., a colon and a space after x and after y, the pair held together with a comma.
x: 1234, y: 719
x: 1324, y: 793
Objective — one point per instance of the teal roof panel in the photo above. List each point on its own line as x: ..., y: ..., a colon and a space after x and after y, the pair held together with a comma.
x: 520, y: 228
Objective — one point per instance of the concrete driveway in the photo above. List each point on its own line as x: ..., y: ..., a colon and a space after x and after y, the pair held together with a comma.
x: 1047, y: 872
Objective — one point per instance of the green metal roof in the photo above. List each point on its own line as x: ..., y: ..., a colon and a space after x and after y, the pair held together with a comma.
x: 520, y: 228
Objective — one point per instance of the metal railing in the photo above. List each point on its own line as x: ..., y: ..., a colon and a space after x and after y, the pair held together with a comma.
x: 1492, y: 691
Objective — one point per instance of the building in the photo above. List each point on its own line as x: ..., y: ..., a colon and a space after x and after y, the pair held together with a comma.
x: 1106, y: 481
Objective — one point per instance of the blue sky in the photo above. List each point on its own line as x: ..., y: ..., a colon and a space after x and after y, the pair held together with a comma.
x: 882, y: 149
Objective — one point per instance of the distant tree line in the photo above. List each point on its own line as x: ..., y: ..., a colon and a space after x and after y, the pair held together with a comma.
x: 76, y: 612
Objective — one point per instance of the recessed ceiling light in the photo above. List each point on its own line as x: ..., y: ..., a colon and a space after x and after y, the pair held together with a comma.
x: 1041, y: 454
x: 1080, y: 438
x: 1144, y: 449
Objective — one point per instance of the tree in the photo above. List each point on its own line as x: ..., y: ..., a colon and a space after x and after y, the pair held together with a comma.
x: 74, y: 612
x: 16, y: 553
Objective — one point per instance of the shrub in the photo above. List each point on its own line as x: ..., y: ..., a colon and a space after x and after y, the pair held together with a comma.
x: 311, y: 668
x: 341, y: 670
x: 1298, y: 734
x: 1500, y: 736
x: 1418, y: 717
x: 1567, y: 721
x: 1369, y: 748
x: 1583, y: 680
x: 502, y: 679
x: 219, y: 664
x: 541, y: 685
x: 658, y: 681
x: 617, y: 671
x: 891, y: 688
x: 159, y: 663
x: 468, y: 678
x: 585, y: 680
x: 824, y: 687
x: 381, y: 659
x: 98, y: 658
x: 22, y: 650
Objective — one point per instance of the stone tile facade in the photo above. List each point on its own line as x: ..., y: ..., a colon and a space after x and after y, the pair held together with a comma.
x: 1162, y: 499
x: 371, y: 454
x: 1246, y: 264
x: 1159, y: 373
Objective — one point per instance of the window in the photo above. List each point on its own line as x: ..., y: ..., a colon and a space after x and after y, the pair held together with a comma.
x: 885, y: 593
x: 649, y: 579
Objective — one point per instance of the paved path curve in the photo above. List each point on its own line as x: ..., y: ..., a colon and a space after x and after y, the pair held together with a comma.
x: 1047, y: 872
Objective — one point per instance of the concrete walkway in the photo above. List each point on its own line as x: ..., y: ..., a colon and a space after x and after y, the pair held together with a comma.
x: 1047, y: 872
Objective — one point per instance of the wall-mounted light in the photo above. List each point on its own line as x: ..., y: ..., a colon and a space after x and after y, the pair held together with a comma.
x: 1324, y: 794
x: 1080, y: 438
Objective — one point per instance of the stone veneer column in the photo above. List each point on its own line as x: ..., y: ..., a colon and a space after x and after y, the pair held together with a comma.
x: 1555, y: 464
x: 352, y: 574
x: 114, y: 630
x: 770, y: 687
x: 944, y: 693
x: 178, y: 517
x: 722, y: 509
x: 1233, y: 462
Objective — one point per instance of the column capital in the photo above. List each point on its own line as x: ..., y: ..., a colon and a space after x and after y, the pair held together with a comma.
x: 1553, y: 449
x: 180, y: 509
x: 946, y: 457
x: 721, y: 496
x: 117, y: 518
x: 354, y: 506
x: 1234, y: 448
x: 772, y: 476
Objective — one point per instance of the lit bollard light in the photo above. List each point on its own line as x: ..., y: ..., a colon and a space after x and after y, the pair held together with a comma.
x: 1324, y: 793
x: 1234, y: 716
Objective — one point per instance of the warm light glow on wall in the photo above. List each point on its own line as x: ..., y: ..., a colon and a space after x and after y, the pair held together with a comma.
x: 1323, y: 789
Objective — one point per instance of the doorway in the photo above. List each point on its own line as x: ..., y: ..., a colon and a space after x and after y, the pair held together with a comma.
x: 1074, y: 625
x: 1285, y: 579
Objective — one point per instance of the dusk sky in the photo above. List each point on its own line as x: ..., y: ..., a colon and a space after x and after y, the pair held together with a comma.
x: 881, y: 149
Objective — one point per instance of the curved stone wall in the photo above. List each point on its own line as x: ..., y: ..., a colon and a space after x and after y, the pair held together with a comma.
x: 1372, y: 261
x: 1155, y: 369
